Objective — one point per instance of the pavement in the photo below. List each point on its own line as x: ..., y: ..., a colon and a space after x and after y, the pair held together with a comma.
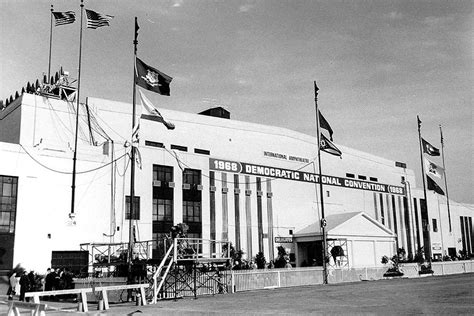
x: 442, y: 295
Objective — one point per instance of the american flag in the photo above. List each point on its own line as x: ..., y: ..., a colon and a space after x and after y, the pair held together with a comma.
x: 95, y: 20
x: 62, y: 18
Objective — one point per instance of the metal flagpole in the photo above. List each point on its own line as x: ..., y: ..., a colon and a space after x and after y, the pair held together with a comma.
x: 423, y: 175
x: 323, y: 219
x: 132, y: 166
x: 50, y: 44
x: 445, y: 179
x: 73, y: 186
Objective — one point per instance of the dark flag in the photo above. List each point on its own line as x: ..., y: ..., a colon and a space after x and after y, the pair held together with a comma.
x: 152, y: 79
x: 433, y: 186
x: 329, y: 147
x: 324, y: 124
x: 429, y: 149
x: 62, y: 18
x: 95, y: 20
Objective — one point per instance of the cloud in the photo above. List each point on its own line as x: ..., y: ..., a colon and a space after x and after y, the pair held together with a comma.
x: 177, y: 3
x: 436, y: 21
x: 246, y: 7
x: 393, y: 15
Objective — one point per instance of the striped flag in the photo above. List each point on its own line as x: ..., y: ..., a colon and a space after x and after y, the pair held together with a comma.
x: 150, y: 112
x: 95, y: 20
x: 329, y: 147
x: 324, y: 124
x: 62, y: 18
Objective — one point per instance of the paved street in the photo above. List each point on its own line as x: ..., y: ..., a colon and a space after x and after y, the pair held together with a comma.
x: 444, y: 295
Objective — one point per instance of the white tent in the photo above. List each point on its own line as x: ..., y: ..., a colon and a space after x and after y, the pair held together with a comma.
x: 362, y: 241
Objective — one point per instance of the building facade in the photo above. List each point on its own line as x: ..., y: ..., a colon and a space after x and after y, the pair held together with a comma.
x: 251, y: 184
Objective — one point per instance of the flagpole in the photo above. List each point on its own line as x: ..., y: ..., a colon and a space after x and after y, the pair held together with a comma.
x: 323, y: 219
x: 132, y: 165
x: 424, y: 188
x: 73, y: 186
x: 445, y: 179
x: 50, y: 44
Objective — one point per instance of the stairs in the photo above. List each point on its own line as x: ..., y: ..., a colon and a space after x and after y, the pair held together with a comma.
x: 161, y: 273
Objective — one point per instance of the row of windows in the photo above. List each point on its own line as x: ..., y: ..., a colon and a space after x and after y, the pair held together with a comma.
x: 162, y: 210
x: 361, y: 177
x: 177, y: 147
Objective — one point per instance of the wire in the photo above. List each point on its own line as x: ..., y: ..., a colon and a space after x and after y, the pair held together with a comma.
x: 180, y: 163
x: 67, y: 172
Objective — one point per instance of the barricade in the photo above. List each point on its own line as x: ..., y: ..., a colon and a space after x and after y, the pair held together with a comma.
x: 83, y: 292
x: 35, y: 309
x: 104, y: 290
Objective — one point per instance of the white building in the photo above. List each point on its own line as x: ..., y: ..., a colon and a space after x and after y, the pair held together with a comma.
x: 251, y: 184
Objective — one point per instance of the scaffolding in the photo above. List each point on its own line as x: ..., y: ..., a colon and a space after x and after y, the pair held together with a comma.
x: 191, y: 267
x: 106, y: 259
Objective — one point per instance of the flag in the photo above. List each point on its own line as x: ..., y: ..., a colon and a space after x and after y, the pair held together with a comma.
x: 62, y: 18
x: 95, y: 20
x: 433, y: 169
x: 150, y: 112
x: 136, y: 135
x: 135, y: 142
x: 152, y: 79
x: 327, y: 146
x: 429, y: 149
x: 324, y: 124
x: 433, y: 186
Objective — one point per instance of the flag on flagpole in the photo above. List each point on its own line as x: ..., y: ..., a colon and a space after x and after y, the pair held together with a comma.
x: 152, y: 79
x: 433, y: 169
x: 329, y: 147
x: 62, y: 18
x: 95, y: 20
x: 429, y: 149
x: 324, y: 124
x: 149, y: 111
x: 433, y: 186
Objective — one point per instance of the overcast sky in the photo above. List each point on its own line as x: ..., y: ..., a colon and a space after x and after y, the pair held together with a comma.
x: 377, y: 63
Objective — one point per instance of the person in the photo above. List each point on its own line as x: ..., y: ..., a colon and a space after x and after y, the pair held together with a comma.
x: 46, y: 283
x: 24, y: 285
x: 11, y: 286
x: 31, y: 278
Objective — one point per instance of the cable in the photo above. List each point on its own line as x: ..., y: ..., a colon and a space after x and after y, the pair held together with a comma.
x: 175, y: 156
x: 67, y: 172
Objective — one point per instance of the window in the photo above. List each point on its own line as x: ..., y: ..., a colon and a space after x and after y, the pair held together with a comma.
x: 154, y: 144
x: 8, y: 192
x: 361, y: 177
x: 181, y: 148
x: 191, y: 212
x: 435, y: 225
x: 136, y: 207
x: 192, y: 202
x: 162, y: 173
x: 162, y: 210
x: 374, y: 179
x: 202, y: 151
x: 192, y: 177
x: 350, y: 175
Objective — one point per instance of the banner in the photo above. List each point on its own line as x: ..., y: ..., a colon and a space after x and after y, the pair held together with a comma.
x: 302, y: 176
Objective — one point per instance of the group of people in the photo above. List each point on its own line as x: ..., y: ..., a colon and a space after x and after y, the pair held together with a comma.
x: 60, y: 279
x: 26, y: 281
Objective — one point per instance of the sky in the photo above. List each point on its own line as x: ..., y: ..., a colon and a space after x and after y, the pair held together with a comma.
x: 378, y: 64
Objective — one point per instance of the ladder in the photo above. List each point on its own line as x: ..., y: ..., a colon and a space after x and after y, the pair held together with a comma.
x: 161, y: 273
